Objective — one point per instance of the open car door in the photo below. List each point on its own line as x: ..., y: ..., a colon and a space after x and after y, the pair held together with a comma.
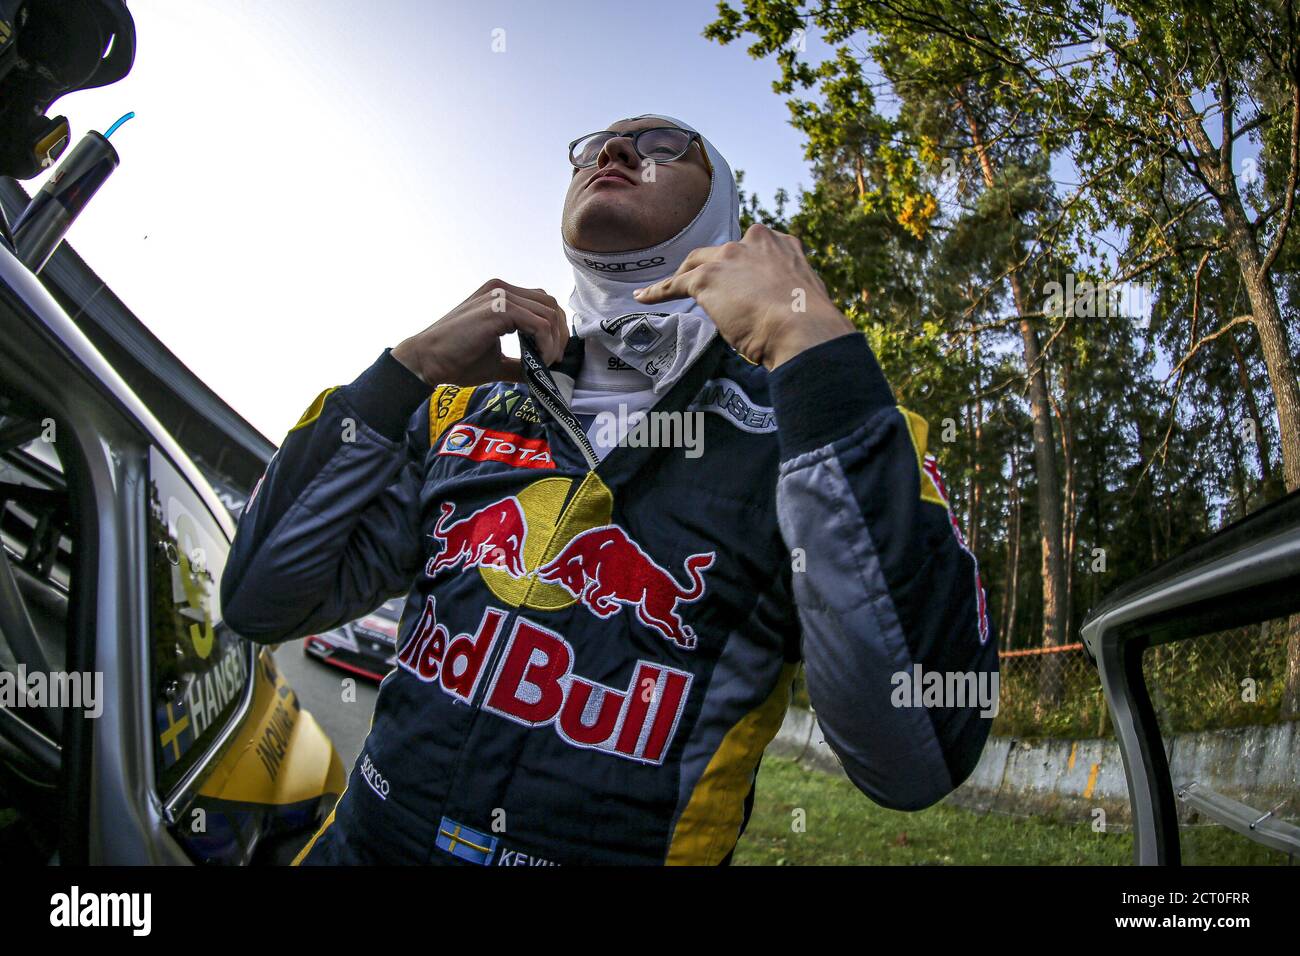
x: 1237, y: 593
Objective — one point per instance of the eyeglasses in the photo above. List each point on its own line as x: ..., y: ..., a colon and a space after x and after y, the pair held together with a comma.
x: 662, y: 144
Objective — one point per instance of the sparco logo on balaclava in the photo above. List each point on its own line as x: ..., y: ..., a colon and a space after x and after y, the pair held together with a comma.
x: 624, y: 266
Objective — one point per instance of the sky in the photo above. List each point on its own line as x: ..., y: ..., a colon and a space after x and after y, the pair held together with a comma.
x: 307, y: 182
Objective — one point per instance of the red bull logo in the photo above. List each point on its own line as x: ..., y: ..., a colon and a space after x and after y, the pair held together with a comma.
x: 533, y: 684
x: 602, y: 567
x: 606, y: 570
x: 493, y: 536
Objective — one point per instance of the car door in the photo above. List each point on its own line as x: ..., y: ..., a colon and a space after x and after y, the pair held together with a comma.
x: 1195, y: 658
x: 243, y: 772
x: 51, y: 692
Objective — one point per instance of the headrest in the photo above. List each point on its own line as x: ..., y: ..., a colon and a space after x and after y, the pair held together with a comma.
x: 49, y: 48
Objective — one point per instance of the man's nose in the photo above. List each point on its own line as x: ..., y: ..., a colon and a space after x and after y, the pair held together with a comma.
x: 618, y: 148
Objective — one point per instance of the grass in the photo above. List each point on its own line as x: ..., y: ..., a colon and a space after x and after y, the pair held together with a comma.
x: 843, y: 827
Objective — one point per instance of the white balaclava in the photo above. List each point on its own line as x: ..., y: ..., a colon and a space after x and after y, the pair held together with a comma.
x: 662, y: 339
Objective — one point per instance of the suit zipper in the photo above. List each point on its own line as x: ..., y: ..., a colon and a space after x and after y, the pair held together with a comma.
x: 543, y: 389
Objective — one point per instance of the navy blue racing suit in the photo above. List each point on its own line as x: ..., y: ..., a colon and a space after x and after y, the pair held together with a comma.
x: 591, y: 660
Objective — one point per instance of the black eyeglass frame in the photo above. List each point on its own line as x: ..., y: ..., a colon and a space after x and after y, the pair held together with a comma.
x: 635, y: 136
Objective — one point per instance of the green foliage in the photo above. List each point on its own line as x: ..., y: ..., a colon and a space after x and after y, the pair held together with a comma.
x: 955, y: 143
x: 1198, y: 684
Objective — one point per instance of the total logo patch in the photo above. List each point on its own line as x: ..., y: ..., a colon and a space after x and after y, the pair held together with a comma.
x: 484, y: 444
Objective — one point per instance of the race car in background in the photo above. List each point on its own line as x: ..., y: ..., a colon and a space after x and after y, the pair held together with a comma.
x: 366, y: 646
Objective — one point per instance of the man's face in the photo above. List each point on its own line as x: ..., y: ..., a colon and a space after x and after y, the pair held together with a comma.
x: 613, y: 207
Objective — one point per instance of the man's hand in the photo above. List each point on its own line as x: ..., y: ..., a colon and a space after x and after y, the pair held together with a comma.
x: 760, y: 292
x: 464, y: 346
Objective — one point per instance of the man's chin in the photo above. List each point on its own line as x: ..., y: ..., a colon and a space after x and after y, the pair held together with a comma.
x: 608, y: 226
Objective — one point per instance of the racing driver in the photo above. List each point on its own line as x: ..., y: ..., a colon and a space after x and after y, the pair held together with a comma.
x: 615, y: 550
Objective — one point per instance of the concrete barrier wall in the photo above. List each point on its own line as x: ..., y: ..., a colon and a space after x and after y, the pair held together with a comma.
x: 1068, y: 779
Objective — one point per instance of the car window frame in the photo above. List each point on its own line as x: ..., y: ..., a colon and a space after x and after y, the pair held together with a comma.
x: 182, y: 791
x: 1236, y: 576
x: 70, y: 756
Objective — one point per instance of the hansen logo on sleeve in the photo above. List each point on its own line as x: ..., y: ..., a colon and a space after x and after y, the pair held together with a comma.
x: 724, y: 397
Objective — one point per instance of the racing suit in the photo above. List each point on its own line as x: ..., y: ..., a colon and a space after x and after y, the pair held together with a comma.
x: 591, y: 660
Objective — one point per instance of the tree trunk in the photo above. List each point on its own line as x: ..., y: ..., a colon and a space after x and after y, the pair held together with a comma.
x: 1262, y: 449
x: 1242, y: 243
x: 1049, y: 486
x: 1216, y: 166
x: 1238, y: 468
x: 1013, y: 550
x: 1049, y: 507
x: 1273, y: 343
x: 1051, y: 687
x: 1069, y: 526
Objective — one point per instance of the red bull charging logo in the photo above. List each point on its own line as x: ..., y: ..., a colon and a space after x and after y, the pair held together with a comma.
x: 602, y: 567
x: 493, y: 536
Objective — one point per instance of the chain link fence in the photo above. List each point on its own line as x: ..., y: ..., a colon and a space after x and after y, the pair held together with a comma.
x: 1227, y: 679
x: 1230, y: 678
x: 1049, y: 692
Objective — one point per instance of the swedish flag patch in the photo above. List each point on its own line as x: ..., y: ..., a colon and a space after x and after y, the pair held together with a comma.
x: 466, y: 843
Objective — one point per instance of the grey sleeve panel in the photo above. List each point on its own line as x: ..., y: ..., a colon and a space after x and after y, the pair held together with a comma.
x: 889, y: 590
x: 853, y: 641
x: 335, y: 526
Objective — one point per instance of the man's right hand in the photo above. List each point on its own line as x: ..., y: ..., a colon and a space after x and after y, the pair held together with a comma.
x: 464, y: 346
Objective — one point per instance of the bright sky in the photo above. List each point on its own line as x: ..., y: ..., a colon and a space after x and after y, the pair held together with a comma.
x: 308, y: 181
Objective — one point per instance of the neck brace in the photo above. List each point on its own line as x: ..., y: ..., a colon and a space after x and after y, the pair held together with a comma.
x: 660, y: 341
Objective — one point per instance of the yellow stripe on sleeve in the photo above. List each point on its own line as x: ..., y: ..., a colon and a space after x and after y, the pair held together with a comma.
x: 710, y: 824
x: 313, y: 410
x: 919, y: 429
x: 446, y: 408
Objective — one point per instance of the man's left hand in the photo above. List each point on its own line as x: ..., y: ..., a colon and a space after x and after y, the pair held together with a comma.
x: 760, y: 292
